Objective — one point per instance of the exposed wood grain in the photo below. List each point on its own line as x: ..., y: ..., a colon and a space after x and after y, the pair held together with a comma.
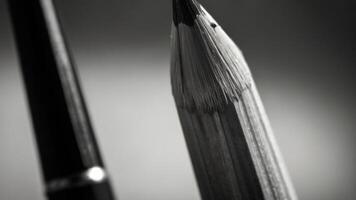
x: 232, y: 147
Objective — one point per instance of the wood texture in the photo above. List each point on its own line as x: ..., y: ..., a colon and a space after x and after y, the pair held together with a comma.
x: 65, y: 138
x: 220, y: 155
x: 232, y: 147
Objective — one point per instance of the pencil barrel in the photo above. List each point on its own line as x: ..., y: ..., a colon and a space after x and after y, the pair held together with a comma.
x: 220, y: 156
x: 234, y: 153
x: 228, y: 135
x: 269, y: 165
x: 98, y: 192
x: 65, y: 139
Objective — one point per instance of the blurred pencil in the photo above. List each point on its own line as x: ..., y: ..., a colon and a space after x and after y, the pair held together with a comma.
x: 71, y: 163
x: 229, y: 138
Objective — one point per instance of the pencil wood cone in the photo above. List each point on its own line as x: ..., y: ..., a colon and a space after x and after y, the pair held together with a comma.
x: 232, y: 147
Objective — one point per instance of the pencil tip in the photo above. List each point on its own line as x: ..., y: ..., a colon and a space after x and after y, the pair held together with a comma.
x: 184, y: 11
x: 208, y: 69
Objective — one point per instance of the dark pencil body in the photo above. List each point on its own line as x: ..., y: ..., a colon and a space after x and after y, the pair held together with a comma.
x: 71, y: 163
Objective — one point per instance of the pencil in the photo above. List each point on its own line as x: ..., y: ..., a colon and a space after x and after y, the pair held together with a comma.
x: 231, y: 144
x: 72, y: 166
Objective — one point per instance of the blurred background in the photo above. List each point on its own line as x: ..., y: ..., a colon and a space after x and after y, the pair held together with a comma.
x: 302, y: 55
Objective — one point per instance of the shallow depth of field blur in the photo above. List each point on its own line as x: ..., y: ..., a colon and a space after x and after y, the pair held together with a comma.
x: 302, y: 55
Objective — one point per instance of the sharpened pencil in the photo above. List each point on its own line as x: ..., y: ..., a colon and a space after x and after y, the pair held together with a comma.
x: 232, y: 147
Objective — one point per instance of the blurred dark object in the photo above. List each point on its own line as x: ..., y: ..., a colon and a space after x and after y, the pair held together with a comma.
x: 71, y: 162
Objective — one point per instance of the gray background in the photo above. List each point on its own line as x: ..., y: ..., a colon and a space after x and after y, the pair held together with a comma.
x: 302, y: 54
